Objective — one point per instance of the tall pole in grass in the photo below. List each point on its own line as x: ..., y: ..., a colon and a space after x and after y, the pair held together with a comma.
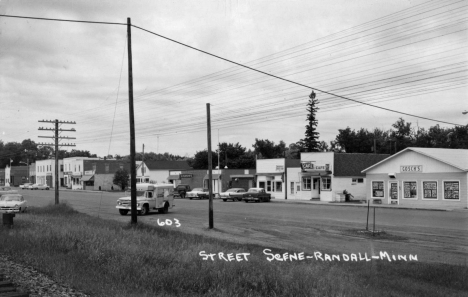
x: 210, y: 171
x: 132, y: 126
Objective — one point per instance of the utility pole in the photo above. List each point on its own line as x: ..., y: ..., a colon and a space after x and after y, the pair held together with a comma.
x: 210, y: 171
x: 132, y: 126
x: 56, y: 144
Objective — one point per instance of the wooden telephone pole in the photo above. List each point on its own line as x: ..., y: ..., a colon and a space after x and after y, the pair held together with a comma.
x: 56, y: 144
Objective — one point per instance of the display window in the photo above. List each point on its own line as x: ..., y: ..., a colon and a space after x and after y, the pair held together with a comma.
x: 378, y: 189
x: 452, y: 190
x: 278, y: 186
x: 410, y: 190
x: 306, y: 183
x: 326, y: 183
x: 430, y: 190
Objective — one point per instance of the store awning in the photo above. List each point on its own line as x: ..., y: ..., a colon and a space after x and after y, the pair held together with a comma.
x: 214, y: 175
x: 174, y: 177
x: 87, y: 178
x: 269, y: 173
x: 242, y: 176
x: 316, y: 173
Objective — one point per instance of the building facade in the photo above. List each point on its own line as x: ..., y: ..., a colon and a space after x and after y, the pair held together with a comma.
x: 73, y: 171
x: 16, y: 175
x: 427, y: 177
x: 45, y: 172
x: 98, y: 175
x: 222, y: 180
x: 272, y: 175
x: 160, y: 172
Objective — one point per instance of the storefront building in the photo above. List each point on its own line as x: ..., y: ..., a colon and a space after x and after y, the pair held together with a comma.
x: 223, y: 179
x: 16, y: 175
x: 45, y: 172
x: 73, y: 168
x: 324, y: 176
x: 272, y: 176
x: 426, y: 177
x: 160, y: 172
x: 99, y: 175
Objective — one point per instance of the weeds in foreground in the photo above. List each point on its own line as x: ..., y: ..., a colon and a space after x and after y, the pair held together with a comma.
x: 108, y: 258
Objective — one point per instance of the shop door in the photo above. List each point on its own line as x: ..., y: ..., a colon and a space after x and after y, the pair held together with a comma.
x: 316, y: 188
x: 393, y: 195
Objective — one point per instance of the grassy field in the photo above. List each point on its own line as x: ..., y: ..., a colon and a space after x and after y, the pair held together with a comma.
x: 108, y: 258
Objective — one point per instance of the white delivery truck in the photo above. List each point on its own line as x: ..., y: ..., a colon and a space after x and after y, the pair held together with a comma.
x: 149, y: 196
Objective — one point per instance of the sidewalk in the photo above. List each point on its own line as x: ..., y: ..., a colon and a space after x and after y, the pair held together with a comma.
x: 356, y: 204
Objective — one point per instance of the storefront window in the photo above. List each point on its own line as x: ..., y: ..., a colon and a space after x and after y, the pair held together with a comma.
x: 306, y: 181
x: 268, y: 189
x: 377, y: 189
x: 452, y: 190
x: 430, y: 189
x: 261, y: 184
x: 410, y: 190
x: 278, y: 186
x: 326, y: 183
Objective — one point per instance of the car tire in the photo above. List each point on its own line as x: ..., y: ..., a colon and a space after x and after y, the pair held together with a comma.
x: 245, y: 201
x: 224, y: 200
x: 144, y: 210
x: 190, y: 198
x: 123, y: 212
x: 164, y: 210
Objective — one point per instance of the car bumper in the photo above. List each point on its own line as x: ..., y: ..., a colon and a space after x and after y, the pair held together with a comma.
x: 127, y: 207
x: 251, y: 199
x: 9, y: 210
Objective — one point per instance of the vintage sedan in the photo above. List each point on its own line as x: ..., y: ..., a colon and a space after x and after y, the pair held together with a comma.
x: 25, y: 186
x: 7, y: 190
x: 199, y: 193
x: 13, y: 203
x: 42, y: 187
x: 33, y: 187
x: 257, y: 195
x: 234, y: 194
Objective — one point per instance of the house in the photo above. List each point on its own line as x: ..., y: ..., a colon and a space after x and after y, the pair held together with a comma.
x: 160, y: 172
x: 427, y: 177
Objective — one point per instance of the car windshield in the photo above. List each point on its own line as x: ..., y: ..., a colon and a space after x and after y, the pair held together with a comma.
x: 138, y: 193
x: 253, y: 190
x: 10, y: 198
x: 198, y: 189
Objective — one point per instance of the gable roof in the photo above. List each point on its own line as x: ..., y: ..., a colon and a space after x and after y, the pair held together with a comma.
x: 167, y: 165
x: 346, y: 164
x: 457, y: 158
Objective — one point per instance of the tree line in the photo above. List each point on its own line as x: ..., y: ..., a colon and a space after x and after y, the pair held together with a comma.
x: 233, y: 155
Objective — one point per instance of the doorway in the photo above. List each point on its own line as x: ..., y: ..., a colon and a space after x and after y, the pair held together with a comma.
x: 315, y: 188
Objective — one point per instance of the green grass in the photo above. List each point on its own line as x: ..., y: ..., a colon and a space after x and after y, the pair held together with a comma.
x: 108, y: 258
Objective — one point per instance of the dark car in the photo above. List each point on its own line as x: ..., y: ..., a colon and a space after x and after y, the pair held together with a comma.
x: 257, y: 195
x: 181, y: 190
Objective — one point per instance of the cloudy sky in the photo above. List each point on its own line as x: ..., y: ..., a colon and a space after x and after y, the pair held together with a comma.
x: 404, y: 55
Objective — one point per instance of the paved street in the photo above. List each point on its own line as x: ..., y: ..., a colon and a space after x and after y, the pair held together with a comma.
x: 435, y: 236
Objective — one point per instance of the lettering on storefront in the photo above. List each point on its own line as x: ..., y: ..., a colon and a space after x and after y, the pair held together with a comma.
x: 186, y: 175
x: 411, y: 168
x: 310, y: 166
x: 280, y: 168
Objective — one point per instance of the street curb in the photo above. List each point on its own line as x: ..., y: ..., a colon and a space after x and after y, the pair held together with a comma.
x: 363, y: 205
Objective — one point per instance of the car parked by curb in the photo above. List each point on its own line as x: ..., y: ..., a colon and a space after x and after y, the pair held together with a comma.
x: 234, y: 194
x: 257, y: 195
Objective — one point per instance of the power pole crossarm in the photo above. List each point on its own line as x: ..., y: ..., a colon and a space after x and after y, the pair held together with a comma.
x: 56, y: 131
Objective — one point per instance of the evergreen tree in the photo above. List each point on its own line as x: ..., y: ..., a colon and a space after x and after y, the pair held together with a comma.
x: 310, y: 143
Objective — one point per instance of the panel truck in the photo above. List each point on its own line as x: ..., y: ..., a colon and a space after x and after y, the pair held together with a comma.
x: 149, y: 197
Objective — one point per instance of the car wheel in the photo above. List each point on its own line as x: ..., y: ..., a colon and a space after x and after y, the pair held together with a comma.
x: 224, y: 200
x: 144, y: 210
x: 245, y: 201
x: 47, y: 188
x: 164, y: 209
x: 190, y: 198
x: 123, y: 212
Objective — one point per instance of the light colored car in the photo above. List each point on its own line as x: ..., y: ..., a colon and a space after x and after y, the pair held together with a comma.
x: 25, y: 186
x: 42, y: 187
x: 199, y: 193
x: 32, y: 187
x: 7, y: 190
x: 234, y: 194
x: 13, y: 203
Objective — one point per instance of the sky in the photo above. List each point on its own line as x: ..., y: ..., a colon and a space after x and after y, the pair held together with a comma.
x: 404, y: 55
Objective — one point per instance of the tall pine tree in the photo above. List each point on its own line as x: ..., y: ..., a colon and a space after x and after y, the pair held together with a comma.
x: 310, y: 143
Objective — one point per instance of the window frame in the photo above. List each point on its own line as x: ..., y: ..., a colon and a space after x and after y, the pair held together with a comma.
x: 303, y: 184
x: 437, y: 190
x: 372, y: 189
x: 280, y: 183
x: 403, y: 190
x: 323, y: 183
x: 443, y: 190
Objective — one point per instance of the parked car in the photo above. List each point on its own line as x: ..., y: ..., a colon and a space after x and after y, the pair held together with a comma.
x: 33, y: 187
x: 13, y: 203
x: 234, y: 194
x: 7, y: 190
x: 257, y: 195
x: 199, y: 193
x: 181, y: 191
x: 42, y: 187
x: 25, y: 186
